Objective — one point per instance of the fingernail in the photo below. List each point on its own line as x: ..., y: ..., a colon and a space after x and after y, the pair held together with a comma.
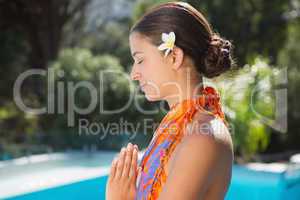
x: 136, y: 146
x: 122, y: 150
x: 114, y: 161
x: 129, y: 146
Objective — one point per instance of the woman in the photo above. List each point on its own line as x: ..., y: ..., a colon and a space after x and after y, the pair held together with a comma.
x: 190, y: 156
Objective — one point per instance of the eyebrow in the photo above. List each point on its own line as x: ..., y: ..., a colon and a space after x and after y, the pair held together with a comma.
x: 134, y: 53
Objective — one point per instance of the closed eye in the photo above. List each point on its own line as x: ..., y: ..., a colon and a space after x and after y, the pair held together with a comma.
x: 139, y: 62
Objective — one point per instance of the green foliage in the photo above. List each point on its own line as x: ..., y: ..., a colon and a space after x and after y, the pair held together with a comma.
x: 16, y: 125
x: 290, y: 58
x: 76, y: 66
x: 12, y: 62
x: 112, y: 39
x: 289, y: 55
x: 81, y: 65
x: 249, y: 100
x: 142, y: 6
x: 18, y: 129
x: 249, y: 24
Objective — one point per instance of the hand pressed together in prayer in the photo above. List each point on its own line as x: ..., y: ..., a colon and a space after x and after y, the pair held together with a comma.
x: 123, y: 175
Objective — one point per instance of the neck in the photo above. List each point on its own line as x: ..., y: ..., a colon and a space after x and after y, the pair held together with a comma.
x: 187, y: 87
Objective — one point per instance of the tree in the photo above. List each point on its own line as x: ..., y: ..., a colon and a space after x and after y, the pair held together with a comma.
x: 42, y: 24
x: 250, y: 24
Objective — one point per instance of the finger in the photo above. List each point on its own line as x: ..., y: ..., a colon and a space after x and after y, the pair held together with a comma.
x: 138, y: 176
x: 112, y: 172
x: 120, y: 164
x: 127, y: 162
x: 136, y: 146
x: 133, y: 168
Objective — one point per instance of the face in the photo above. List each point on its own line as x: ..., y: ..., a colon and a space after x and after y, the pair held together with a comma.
x: 151, y: 69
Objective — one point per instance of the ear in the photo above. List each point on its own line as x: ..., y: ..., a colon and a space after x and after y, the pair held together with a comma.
x: 177, y: 57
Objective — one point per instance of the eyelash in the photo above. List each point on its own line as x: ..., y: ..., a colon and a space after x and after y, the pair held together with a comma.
x: 139, y: 62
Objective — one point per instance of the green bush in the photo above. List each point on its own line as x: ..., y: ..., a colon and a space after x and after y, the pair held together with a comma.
x: 249, y: 104
x: 79, y: 65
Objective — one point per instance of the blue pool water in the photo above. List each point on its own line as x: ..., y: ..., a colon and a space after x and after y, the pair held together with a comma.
x: 88, y: 189
x: 249, y: 184
x: 246, y: 184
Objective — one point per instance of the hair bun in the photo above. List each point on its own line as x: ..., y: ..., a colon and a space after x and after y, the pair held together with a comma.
x: 218, y: 59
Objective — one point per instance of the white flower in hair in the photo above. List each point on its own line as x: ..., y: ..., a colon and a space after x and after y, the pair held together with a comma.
x: 168, y: 42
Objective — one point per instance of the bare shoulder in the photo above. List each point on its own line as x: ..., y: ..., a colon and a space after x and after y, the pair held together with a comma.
x: 209, y: 136
x: 205, y: 128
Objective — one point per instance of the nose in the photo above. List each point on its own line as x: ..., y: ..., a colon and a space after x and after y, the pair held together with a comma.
x: 134, y: 75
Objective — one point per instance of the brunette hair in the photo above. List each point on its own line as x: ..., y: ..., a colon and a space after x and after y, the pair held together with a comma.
x: 210, y: 53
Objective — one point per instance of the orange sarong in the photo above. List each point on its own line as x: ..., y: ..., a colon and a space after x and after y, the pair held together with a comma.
x: 167, y: 136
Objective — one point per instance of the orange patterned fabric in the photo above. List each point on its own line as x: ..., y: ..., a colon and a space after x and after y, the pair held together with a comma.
x: 167, y: 136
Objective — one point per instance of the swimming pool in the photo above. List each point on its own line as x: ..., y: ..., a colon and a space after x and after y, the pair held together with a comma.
x: 88, y: 189
x: 247, y: 184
